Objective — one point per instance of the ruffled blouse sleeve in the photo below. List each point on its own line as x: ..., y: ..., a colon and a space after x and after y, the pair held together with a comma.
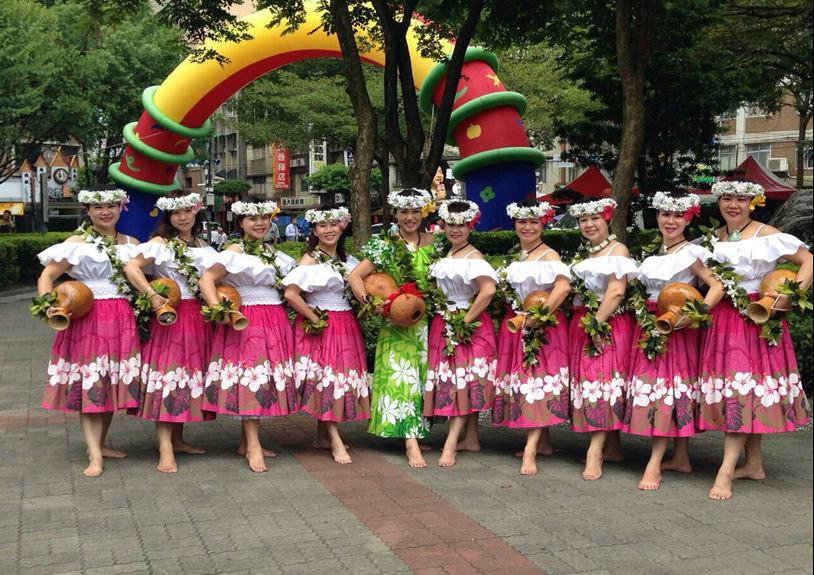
x: 236, y: 262
x: 665, y: 268
x: 313, y: 277
x: 606, y: 266
x: 761, y: 249
x: 70, y: 252
x: 156, y: 251
x: 461, y: 269
x: 284, y: 262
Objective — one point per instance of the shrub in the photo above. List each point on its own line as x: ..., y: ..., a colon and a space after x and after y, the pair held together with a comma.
x: 18, y: 256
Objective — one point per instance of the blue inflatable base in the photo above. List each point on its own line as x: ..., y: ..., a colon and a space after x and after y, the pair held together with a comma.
x: 495, y: 187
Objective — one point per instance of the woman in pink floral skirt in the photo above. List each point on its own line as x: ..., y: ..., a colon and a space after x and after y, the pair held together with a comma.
x: 600, y: 334
x: 749, y: 384
x: 175, y: 357
x: 662, y: 399
x: 462, y: 346
x: 251, y: 373
x: 95, y: 362
x: 330, y: 354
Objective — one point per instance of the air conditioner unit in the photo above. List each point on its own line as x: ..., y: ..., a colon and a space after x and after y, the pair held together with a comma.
x: 778, y: 164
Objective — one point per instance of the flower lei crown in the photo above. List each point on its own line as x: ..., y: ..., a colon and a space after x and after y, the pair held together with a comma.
x: 744, y: 189
x: 469, y: 217
x: 603, y: 207
x: 255, y: 209
x: 191, y: 201
x: 341, y: 215
x: 542, y: 211
x: 416, y: 202
x: 688, y: 206
x: 115, y: 196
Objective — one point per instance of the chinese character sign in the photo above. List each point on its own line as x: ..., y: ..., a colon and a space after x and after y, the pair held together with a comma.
x: 281, y: 174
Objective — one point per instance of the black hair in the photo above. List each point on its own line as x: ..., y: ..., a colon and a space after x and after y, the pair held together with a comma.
x: 313, y: 241
x: 165, y: 229
x: 528, y: 203
x: 457, y: 206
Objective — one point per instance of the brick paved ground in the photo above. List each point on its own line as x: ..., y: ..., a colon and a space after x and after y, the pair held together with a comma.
x: 308, y: 515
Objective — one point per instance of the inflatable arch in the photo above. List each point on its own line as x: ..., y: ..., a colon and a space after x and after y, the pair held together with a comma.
x: 497, y: 164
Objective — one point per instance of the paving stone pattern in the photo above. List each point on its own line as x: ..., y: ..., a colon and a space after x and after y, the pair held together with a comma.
x: 309, y: 515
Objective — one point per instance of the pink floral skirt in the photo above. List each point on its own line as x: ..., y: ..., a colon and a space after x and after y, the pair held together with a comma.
x: 173, y: 365
x: 464, y: 382
x: 251, y: 372
x: 662, y: 396
x: 95, y: 363
x: 599, y: 384
x: 748, y: 386
x: 534, y: 396
x: 331, y: 369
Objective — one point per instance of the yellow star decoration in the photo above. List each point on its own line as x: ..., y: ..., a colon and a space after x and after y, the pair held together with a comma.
x: 494, y: 78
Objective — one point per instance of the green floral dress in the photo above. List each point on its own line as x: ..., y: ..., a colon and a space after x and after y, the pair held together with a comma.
x: 401, y: 352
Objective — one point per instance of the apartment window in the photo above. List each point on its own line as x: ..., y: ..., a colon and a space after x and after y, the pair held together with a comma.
x: 759, y: 152
x: 727, y: 158
x: 258, y: 153
x: 808, y: 160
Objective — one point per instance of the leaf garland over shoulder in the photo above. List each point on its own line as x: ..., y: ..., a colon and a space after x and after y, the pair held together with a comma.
x: 589, y: 324
x: 186, y: 264
x: 533, y: 338
x: 261, y: 250
x: 107, y: 246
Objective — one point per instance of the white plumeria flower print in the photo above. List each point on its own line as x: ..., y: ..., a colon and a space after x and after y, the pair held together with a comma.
x: 229, y: 376
x: 553, y: 384
x: 341, y: 385
x: 403, y: 372
x: 104, y: 364
x: 253, y: 378
x: 389, y: 409
x: 57, y: 373
x: 444, y: 371
x: 480, y: 366
x: 129, y: 370
x: 279, y: 375
x: 592, y: 391
x: 532, y: 389
x: 153, y: 381
x: 195, y: 387
x: 744, y: 383
x: 90, y: 375
x: 429, y: 385
x: 576, y: 395
x: 408, y: 409
x: 462, y: 377
x: 712, y: 389
x: 644, y: 395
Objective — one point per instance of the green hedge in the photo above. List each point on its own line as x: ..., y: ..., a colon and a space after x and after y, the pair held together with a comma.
x: 18, y: 256
x: 564, y: 242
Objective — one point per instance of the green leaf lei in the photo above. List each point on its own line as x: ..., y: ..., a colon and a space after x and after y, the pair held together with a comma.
x: 652, y: 342
x: 589, y: 324
x: 40, y: 305
x: 107, y: 246
x: 266, y: 254
x: 218, y: 312
x: 456, y: 330
x: 533, y: 338
x: 186, y: 265
x: 316, y: 327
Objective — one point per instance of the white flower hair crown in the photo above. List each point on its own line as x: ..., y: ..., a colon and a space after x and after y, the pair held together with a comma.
x: 542, y: 211
x: 413, y: 202
x: 255, y: 209
x: 748, y: 189
x: 116, y: 196
x: 191, y: 201
x: 468, y: 217
x: 688, y: 206
x: 603, y: 207
x: 341, y: 215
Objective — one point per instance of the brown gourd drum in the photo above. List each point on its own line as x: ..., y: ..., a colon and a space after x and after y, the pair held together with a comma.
x: 74, y: 300
x: 534, y: 299
x: 406, y: 310
x: 761, y: 310
x: 238, y: 320
x: 165, y: 313
x: 671, y: 300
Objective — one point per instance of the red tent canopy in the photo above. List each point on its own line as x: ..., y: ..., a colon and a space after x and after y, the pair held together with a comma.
x: 591, y: 183
x: 751, y: 171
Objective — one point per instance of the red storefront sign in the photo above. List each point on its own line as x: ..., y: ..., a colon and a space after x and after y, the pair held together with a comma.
x: 282, y: 180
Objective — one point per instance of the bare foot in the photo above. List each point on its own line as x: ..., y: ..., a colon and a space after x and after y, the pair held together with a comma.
x: 651, y: 480
x: 467, y: 445
x: 266, y: 452
x: 166, y: 461
x: 447, y: 458
x: 414, y: 457
x: 94, y: 468
x: 184, y: 447
x: 340, y: 454
x: 113, y: 453
x: 529, y: 465
x: 256, y: 461
x: 749, y: 471
x: 680, y: 465
x: 593, y: 467
x: 722, y: 488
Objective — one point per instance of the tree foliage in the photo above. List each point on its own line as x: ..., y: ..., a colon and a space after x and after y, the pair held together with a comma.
x: 333, y: 178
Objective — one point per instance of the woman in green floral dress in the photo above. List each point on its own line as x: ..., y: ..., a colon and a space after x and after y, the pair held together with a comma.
x: 401, y: 352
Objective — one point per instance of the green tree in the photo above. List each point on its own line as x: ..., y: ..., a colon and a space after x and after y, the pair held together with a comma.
x: 237, y: 188
x: 333, y: 178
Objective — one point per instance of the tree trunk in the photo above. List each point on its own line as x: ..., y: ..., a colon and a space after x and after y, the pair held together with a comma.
x: 383, y: 159
x: 633, y: 44
x: 359, y: 172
